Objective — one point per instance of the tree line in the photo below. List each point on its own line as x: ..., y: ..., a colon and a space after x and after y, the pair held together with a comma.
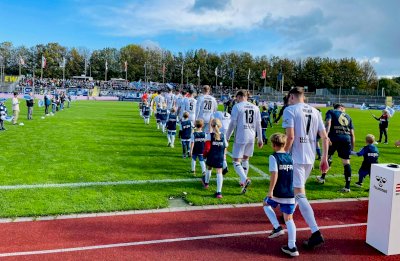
x: 156, y: 63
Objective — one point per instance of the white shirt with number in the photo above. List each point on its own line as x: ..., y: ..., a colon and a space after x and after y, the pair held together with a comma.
x: 206, y: 105
x: 306, y: 122
x: 189, y: 105
x: 159, y: 100
x: 245, y: 122
x: 225, y: 119
x: 169, y: 99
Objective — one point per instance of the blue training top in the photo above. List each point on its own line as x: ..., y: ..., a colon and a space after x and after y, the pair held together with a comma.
x: 284, y: 184
x: 370, y: 154
x: 199, y: 141
x: 217, y: 149
x: 146, y: 111
x: 186, y: 130
x: 264, y: 119
x: 171, y: 123
x: 341, y: 125
x: 163, y: 115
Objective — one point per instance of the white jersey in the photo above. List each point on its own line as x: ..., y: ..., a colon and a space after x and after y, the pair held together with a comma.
x: 246, y: 122
x: 206, y: 105
x: 178, y: 103
x: 225, y: 119
x: 306, y: 122
x: 169, y: 99
x: 159, y: 100
x: 189, y: 105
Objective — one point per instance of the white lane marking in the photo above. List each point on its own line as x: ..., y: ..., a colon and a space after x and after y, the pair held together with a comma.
x: 259, y: 171
x: 159, y: 241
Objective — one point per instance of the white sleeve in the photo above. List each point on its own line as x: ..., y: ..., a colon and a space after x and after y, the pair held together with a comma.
x: 258, y: 126
x: 232, y: 124
x: 273, y: 166
x: 288, y: 119
x: 226, y: 143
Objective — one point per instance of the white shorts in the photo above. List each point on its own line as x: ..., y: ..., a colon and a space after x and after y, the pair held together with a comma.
x: 300, y: 174
x: 239, y: 150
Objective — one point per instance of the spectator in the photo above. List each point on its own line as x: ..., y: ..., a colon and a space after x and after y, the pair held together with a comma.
x: 29, y: 104
x: 15, y: 108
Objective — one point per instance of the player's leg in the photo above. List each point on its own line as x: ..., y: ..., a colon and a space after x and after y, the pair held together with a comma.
x: 220, y: 181
x: 300, y: 175
x: 386, y: 135
x: 202, y: 164
x: 225, y: 165
x: 173, y: 133
x: 268, y: 205
x: 237, y: 155
x: 193, y: 164
x: 380, y: 134
x: 331, y: 151
x: 169, y: 138
x: 291, y: 248
x: 344, y: 153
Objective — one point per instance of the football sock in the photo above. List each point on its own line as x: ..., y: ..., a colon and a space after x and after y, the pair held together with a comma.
x: 172, y: 139
x: 245, y: 165
x: 208, y: 176
x: 169, y: 138
x: 224, y: 164
x: 307, y: 212
x: 203, y: 166
x: 220, y: 180
x: 240, y: 171
x: 347, y: 174
x: 271, y: 216
x: 291, y: 228
x: 158, y: 126
x: 194, y: 165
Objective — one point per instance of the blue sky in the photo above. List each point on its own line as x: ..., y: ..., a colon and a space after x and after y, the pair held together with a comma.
x: 363, y: 29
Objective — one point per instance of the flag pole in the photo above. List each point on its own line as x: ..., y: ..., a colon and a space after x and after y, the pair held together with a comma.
x: 216, y: 79
x: 182, y: 76
x: 233, y: 76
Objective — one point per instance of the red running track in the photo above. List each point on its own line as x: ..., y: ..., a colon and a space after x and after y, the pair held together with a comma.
x: 217, y: 234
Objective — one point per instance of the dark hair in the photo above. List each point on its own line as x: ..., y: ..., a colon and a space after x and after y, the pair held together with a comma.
x: 297, y: 91
x: 337, y: 106
x: 190, y: 91
x: 242, y: 93
x: 264, y: 108
x: 15, y: 93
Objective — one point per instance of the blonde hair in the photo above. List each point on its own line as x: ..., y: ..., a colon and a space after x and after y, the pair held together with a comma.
x: 164, y: 105
x: 216, y: 125
x: 185, y: 115
x: 370, y: 138
x: 278, y: 139
x: 206, y: 88
x: 172, y: 110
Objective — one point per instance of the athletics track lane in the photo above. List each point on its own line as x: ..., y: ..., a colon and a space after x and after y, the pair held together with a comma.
x: 216, y: 225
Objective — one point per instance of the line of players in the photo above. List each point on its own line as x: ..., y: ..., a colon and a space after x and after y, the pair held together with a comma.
x: 301, y: 122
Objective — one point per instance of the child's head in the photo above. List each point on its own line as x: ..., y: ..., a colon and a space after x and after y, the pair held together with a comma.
x: 370, y: 139
x: 172, y: 110
x: 164, y: 105
x: 185, y: 115
x: 264, y: 108
x: 199, y: 124
x: 215, y: 125
x: 278, y: 141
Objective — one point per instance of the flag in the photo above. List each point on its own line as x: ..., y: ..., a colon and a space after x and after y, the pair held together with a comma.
x: 21, y: 61
x: 280, y: 76
x: 248, y: 75
x: 62, y: 64
x: 216, y: 71
x: 43, y: 62
x: 390, y: 111
x: 125, y: 66
x: 264, y: 74
x: 198, y: 72
x: 106, y: 65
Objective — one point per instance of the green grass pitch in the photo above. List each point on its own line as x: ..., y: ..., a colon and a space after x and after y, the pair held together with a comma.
x: 97, y: 141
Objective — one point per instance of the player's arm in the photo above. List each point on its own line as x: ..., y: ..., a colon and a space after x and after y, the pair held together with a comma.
x: 191, y: 144
x: 324, y: 166
x: 258, y: 130
x: 273, y: 170
x: 353, y: 138
x: 289, y: 138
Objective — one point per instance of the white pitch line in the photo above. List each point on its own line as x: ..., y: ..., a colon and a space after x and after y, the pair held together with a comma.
x: 159, y: 241
x: 106, y: 183
x: 259, y: 171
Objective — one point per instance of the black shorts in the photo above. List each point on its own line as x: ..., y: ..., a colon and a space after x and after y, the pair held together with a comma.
x: 215, y: 162
x: 343, y: 149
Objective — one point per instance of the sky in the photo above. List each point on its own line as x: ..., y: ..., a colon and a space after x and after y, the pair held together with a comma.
x: 364, y: 29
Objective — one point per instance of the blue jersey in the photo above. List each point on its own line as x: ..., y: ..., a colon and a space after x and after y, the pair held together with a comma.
x: 199, y: 139
x: 215, y: 157
x: 264, y: 119
x: 370, y: 154
x: 146, y: 111
x: 171, y: 123
x: 186, y: 128
x: 341, y: 125
x: 163, y: 115
x: 284, y: 184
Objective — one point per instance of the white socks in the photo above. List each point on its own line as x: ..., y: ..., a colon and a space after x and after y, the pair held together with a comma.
x: 271, y: 216
x: 291, y: 228
x: 240, y: 171
x: 245, y: 165
x: 172, y: 139
x: 193, y: 165
x: 169, y: 138
x: 203, y: 166
x: 220, y: 180
x: 208, y: 176
x: 307, y: 212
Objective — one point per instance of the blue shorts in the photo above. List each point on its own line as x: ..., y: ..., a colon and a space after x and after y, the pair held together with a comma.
x: 171, y: 132
x: 364, y: 172
x: 200, y: 156
x: 343, y: 149
x: 285, y: 208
